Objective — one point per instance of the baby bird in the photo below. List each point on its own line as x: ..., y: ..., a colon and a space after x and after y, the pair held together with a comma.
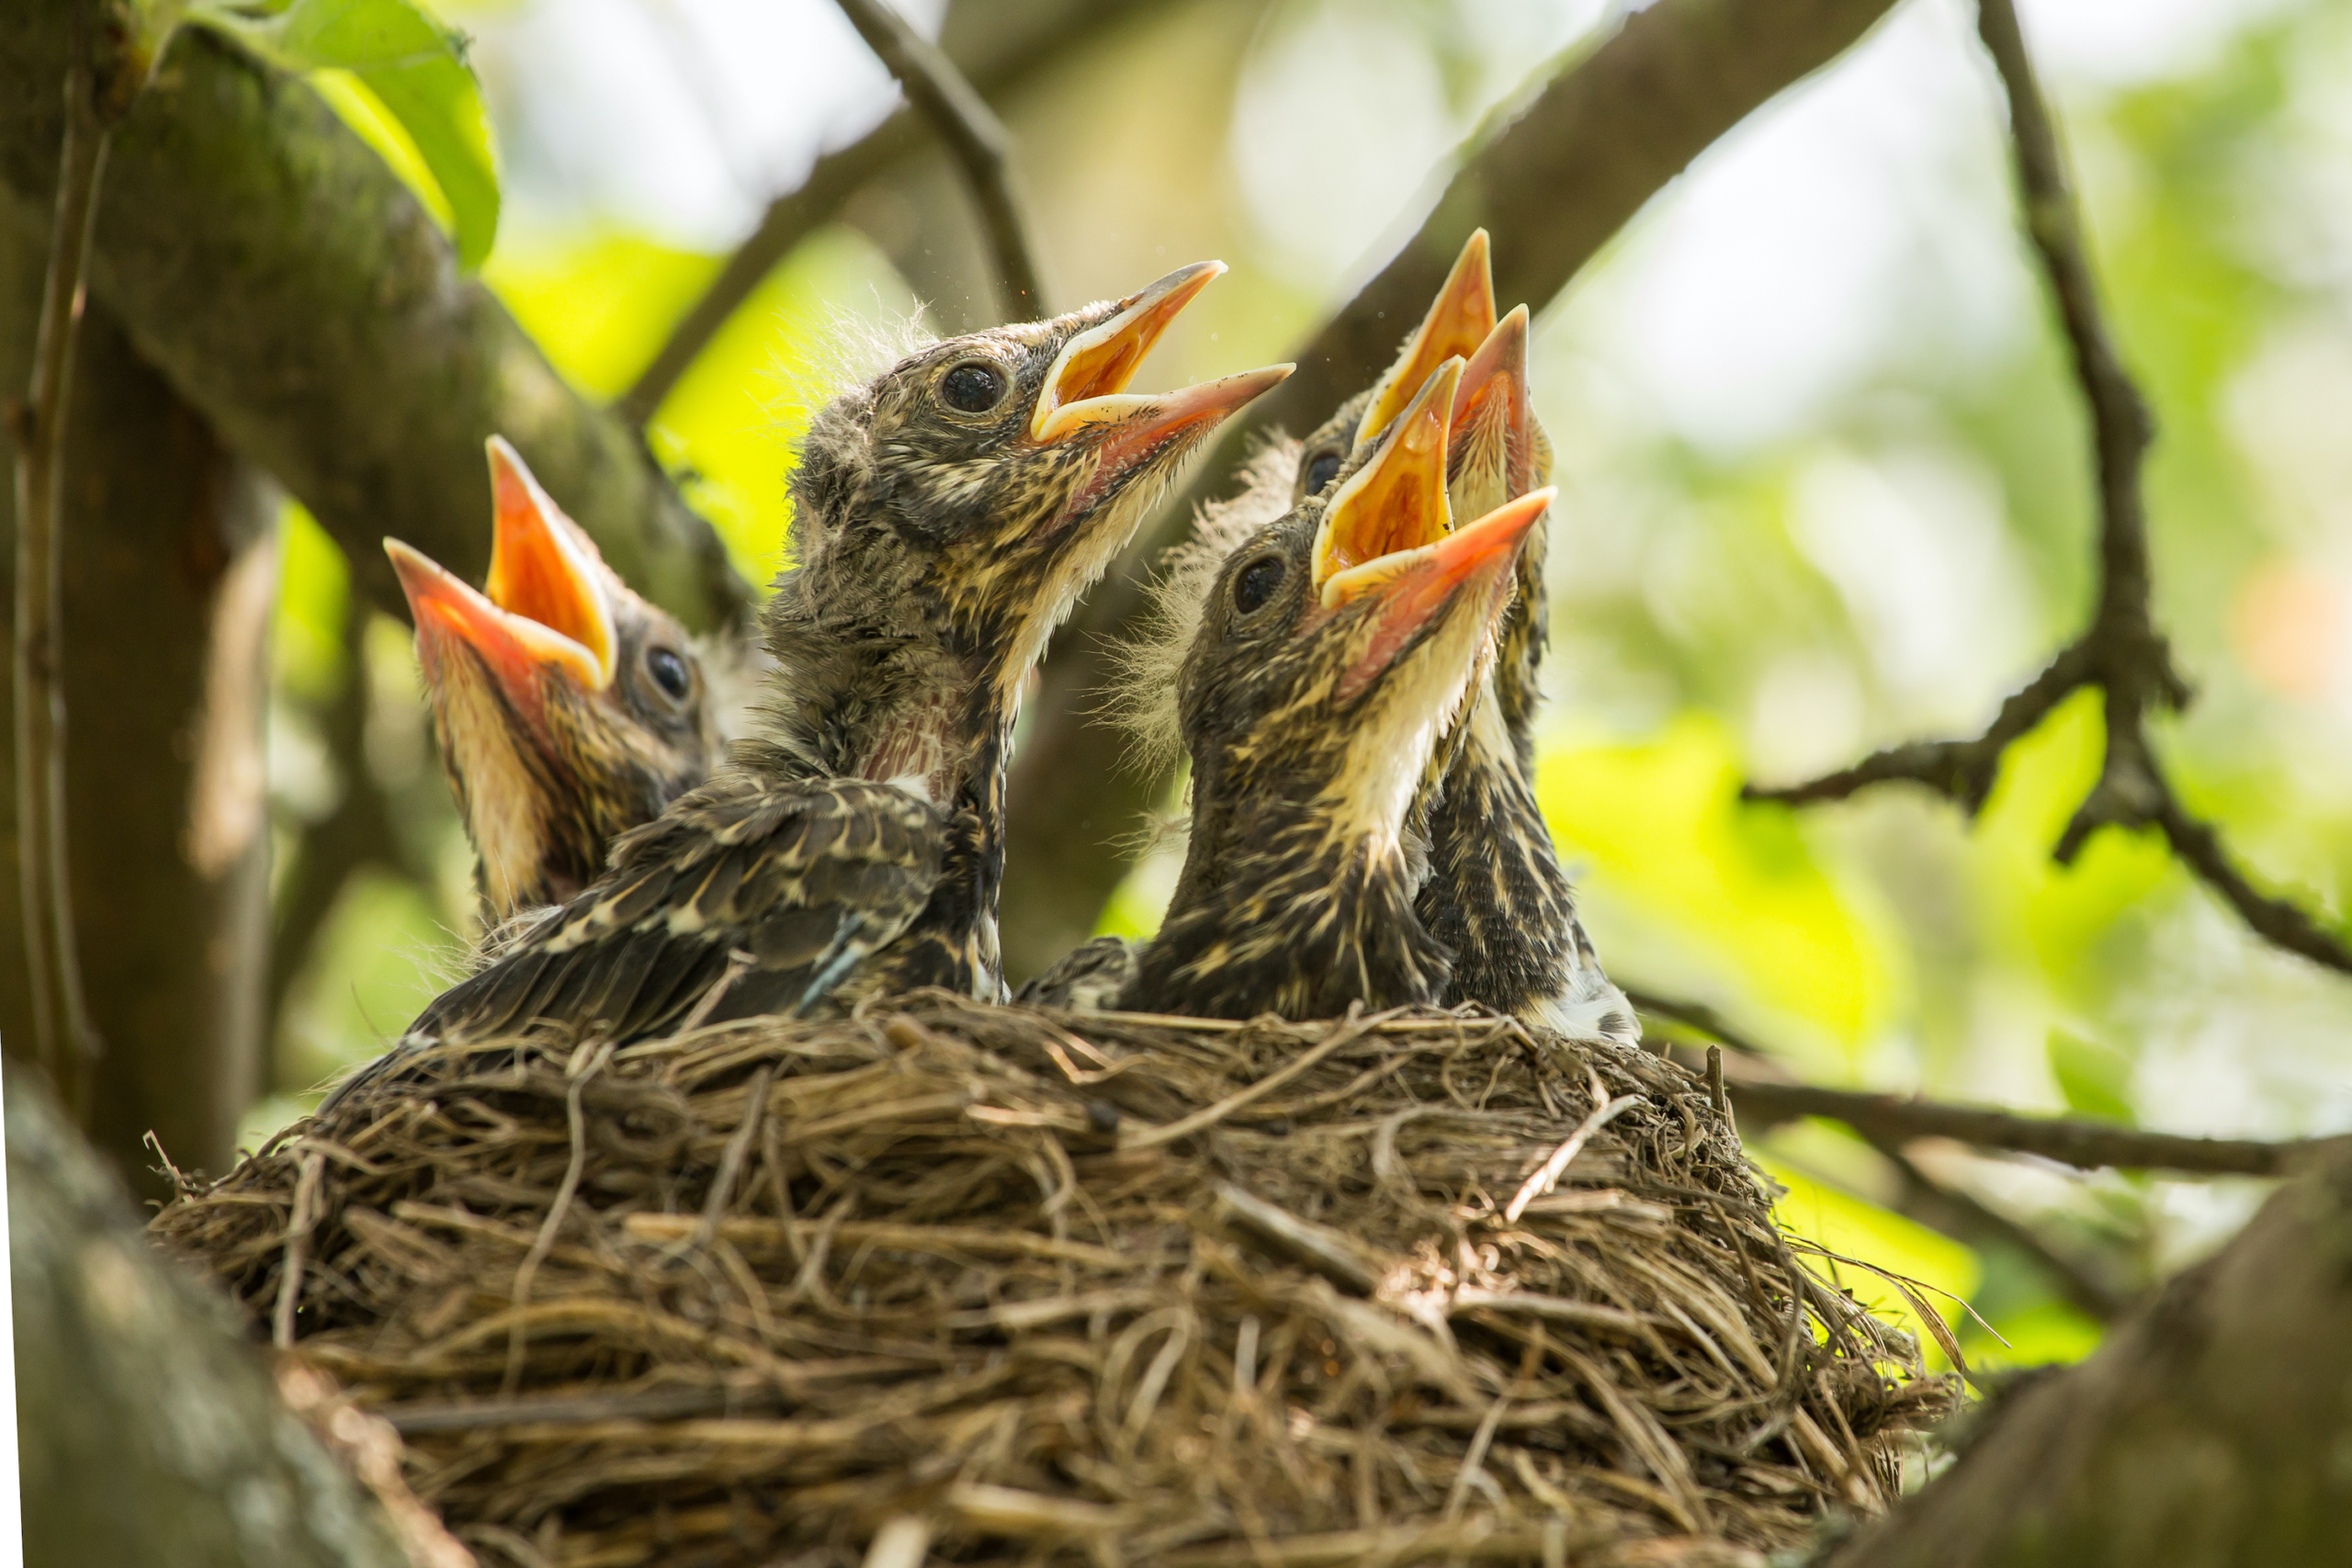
x: 567, y: 709
x: 1335, y: 649
x: 948, y: 515
x: 1497, y: 893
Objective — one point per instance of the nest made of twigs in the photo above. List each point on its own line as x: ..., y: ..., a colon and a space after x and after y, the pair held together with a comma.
x: 996, y: 1284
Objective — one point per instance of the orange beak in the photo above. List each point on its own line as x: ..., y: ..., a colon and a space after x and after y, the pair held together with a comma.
x: 1087, y: 383
x: 1493, y: 413
x: 450, y: 615
x: 1460, y: 319
x: 1396, y: 503
x: 543, y: 568
x: 1480, y: 557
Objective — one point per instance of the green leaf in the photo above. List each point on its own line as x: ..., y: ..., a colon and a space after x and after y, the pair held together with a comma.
x: 414, y: 66
x: 2095, y: 1078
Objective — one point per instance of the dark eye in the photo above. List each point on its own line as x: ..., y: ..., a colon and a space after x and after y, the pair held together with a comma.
x: 1321, y: 469
x: 973, y: 388
x: 669, y: 671
x: 1257, y: 583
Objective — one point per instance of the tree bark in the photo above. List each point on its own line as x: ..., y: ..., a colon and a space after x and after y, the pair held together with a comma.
x: 169, y: 562
x: 147, y: 1431
x: 2210, y: 1429
x: 267, y: 260
x: 1552, y: 186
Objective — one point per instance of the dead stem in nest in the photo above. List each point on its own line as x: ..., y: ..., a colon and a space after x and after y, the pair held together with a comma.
x: 1070, y: 1287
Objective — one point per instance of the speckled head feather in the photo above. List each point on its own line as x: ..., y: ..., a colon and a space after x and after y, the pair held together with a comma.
x: 949, y: 511
x: 936, y: 512
x: 1311, y: 710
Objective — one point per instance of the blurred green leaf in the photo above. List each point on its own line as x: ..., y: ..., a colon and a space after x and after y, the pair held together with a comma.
x: 2095, y: 1078
x: 313, y: 596
x: 1662, y: 823
x: 414, y: 67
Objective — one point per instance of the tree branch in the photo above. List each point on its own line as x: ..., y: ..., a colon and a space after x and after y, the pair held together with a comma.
x: 1938, y: 1204
x: 1967, y: 1218
x: 1002, y: 53
x: 2120, y: 652
x: 2208, y: 1428
x: 96, y: 92
x: 270, y: 264
x: 2086, y: 1146
x: 975, y: 138
x: 1550, y: 184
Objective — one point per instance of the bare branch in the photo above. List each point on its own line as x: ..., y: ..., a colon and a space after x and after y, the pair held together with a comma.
x: 2285, y: 924
x: 1933, y: 1203
x: 2206, y: 1428
x: 2120, y: 652
x: 1962, y: 771
x: 66, y: 1038
x: 2086, y: 1146
x: 789, y: 220
x: 292, y: 290
x: 991, y: 61
x: 1967, y: 1218
x: 975, y: 136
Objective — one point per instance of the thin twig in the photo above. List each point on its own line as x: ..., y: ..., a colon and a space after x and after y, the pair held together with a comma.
x: 1697, y: 1015
x: 731, y: 1160
x: 1967, y: 1218
x: 1935, y: 1203
x: 66, y: 1039
x: 838, y: 176
x: 1335, y: 1257
x: 1548, y: 1174
x: 2120, y: 652
x: 586, y: 1061
x: 2086, y: 1146
x: 975, y: 136
x: 549, y: 1410
x: 299, y: 1226
x: 1346, y: 1034
x: 789, y: 218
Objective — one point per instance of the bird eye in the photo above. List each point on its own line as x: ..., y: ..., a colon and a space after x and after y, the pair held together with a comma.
x: 1321, y: 469
x: 973, y: 387
x: 1257, y: 583
x: 669, y: 671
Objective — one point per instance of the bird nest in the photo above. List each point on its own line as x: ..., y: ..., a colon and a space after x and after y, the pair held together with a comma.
x: 990, y: 1284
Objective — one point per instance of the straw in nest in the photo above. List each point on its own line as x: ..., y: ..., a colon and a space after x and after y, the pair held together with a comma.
x: 997, y: 1285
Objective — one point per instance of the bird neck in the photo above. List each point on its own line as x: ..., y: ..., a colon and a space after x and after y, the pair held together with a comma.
x: 1497, y: 894
x: 912, y: 716
x: 1278, y: 912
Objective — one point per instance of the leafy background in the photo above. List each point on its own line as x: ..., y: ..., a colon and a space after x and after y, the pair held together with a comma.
x: 1825, y: 487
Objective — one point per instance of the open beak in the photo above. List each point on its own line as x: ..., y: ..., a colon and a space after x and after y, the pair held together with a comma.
x: 1493, y: 417
x: 1418, y: 588
x: 515, y: 648
x: 1460, y: 319
x: 1087, y: 383
x: 1396, y: 503
x: 542, y: 566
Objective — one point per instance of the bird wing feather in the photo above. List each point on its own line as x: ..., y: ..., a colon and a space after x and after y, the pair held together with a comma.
x: 777, y: 891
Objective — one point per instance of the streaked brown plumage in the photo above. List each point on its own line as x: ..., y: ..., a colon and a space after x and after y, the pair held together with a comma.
x: 1495, y: 893
x: 1311, y: 702
x: 947, y: 515
x: 567, y: 709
